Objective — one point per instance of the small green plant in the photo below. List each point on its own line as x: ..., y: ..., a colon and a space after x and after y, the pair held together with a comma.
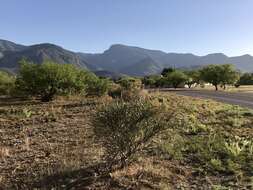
x: 27, y: 113
x: 217, y: 164
x: 238, y: 145
x: 192, y: 125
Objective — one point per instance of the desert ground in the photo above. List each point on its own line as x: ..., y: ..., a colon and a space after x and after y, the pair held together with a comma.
x: 52, y: 146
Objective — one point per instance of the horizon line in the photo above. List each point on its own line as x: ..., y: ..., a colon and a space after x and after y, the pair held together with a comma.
x: 122, y: 44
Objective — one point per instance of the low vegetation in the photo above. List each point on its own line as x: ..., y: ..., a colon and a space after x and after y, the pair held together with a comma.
x: 196, y: 143
x: 99, y: 134
x: 50, y: 79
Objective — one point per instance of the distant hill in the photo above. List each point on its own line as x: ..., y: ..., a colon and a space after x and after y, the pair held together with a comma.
x: 118, y: 59
x: 10, y: 46
x: 41, y: 52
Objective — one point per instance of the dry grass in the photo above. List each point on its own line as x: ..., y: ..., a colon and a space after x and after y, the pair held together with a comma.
x: 4, y: 152
x: 55, y: 138
x: 51, y: 145
x: 242, y: 89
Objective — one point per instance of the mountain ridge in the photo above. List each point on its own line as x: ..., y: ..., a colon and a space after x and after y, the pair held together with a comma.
x: 38, y: 53
x: 118, y: 58
x: 6, y: 45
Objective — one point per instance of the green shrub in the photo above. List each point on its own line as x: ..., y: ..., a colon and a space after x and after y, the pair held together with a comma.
x: 115, y: 90
x: 129, y: 83
x: 129, y: 88
x: 7, y: 82
x: 95, y: 85
x: 50, y: 79
x: 125, y: 128
x: 151, y: 81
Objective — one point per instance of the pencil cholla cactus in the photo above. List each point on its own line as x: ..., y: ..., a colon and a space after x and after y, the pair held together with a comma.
x: 125, y: 128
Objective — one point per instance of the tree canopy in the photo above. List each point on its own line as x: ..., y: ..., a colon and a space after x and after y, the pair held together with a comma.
x: 175, y: 78
x: 193, y: 77
x: 166, y: 71
x: 219, y: 75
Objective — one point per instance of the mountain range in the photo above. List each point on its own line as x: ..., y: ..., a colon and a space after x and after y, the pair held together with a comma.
x: 118, y: 60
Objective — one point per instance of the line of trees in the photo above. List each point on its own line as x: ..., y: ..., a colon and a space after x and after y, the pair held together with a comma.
x: 246, y: 79
x: 217, y: 75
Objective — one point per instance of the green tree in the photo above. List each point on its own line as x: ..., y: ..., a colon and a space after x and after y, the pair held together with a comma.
x: 49, y: 79
x: 175, y: 78
x: 211, y: 74
x: 229, y: 75
x: 193, y: 77
x: 219, y: 75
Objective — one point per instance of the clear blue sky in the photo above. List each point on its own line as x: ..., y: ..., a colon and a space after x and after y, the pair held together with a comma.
x: 196, y: 26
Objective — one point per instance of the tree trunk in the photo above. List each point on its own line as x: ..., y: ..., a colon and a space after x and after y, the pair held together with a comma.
x: 216, y: 87
x: 47, y: 98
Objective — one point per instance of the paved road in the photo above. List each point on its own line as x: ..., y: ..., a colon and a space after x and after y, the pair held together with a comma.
x: 236, y: 98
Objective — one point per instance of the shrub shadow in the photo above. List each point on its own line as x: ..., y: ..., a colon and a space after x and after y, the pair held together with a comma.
x: 92, y: 177
x: 11, y: 101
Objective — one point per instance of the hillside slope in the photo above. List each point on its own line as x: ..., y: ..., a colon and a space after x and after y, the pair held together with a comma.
x: 41, y: 52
